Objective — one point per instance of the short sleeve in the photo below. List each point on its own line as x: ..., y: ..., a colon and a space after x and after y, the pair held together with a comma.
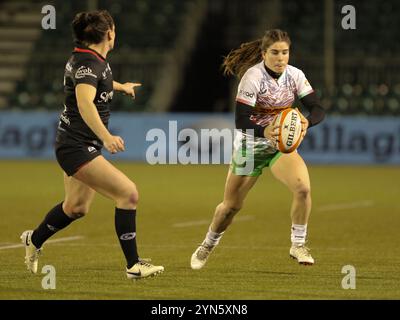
x: 88, y: 72
x: 248, y: 89
x: 303, y: 86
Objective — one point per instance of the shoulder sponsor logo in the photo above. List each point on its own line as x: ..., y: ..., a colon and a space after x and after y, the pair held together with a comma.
x: 108, y: 68
x: 246, y: 93
x: 83, y: 71
x: 104, y: 73
x: 128, y: 236
x: 68, y: 67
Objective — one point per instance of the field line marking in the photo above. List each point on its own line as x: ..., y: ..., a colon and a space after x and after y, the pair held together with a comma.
x: 50, y: 241
x: 205, y: 222
x: 343, y: 206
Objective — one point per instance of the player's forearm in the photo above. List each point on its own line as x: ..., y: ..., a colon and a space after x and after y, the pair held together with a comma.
x: 313, y: 106
x: 242, y: 120
x: 117, y: 86
x: 92, y: 118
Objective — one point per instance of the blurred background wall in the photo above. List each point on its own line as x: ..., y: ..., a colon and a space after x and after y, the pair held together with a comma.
x: 175, y: 49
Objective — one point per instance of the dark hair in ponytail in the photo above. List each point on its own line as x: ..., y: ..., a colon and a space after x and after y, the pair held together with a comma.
x: 91, y: 27
x: 250, y: 53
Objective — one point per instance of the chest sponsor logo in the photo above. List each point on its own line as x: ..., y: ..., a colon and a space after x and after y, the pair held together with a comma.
x: 83, y: 71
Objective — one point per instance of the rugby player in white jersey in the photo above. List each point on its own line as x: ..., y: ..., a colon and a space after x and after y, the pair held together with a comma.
x: 268, y: 85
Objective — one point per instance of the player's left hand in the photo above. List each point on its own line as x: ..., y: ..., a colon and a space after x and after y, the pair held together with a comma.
x: 129, y: 88
x: 304, y: 124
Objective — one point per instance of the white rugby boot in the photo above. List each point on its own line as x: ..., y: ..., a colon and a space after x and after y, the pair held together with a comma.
x: 200, y: 256
x: 143, y: 269
x: 31, y: 252
x: 302, y: 254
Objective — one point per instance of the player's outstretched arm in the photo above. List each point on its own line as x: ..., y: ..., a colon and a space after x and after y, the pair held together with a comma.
x: 127, y: 87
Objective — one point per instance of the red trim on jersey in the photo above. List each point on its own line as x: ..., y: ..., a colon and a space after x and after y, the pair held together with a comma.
x: 244, y: 102
x: 91, y: 52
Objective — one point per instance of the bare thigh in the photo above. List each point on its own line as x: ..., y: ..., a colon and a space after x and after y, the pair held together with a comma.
x: 291, y: 170
x: 107, y: 180
x: 237, y: 188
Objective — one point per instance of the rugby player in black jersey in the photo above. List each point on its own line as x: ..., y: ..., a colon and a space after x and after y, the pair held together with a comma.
x: 82, y: 133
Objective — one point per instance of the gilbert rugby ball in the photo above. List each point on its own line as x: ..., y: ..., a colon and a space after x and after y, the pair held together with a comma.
x: 289, y: 122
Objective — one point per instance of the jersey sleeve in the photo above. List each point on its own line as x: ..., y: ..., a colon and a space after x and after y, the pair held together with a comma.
x: 302, y: 85
x: 88, y: 72
x: 248, y: 89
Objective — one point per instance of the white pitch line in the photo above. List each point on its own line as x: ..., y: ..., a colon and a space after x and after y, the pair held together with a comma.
x: 343, y: 206
x: 50, y: 241
x: 205, y: 222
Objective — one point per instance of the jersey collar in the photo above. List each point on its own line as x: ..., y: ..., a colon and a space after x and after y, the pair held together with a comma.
x: 83, y: 49
x: 274, y: 75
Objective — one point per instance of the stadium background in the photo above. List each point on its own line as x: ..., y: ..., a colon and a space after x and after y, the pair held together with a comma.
x: 175, y: 48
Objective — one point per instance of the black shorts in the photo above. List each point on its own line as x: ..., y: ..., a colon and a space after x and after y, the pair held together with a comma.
x: 71, y: 157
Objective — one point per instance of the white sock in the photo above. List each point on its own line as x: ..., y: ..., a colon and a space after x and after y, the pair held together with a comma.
x: 212, y: 238
x: 299, y: 233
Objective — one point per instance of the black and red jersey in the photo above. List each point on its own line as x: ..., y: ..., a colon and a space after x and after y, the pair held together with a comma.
x: 89, y: 67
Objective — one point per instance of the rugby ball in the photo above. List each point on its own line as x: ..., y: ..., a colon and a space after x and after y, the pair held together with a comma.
x: 289, y: 122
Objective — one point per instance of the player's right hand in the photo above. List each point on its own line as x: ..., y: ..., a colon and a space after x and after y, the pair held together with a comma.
x: 114, y: 144
x: 271, y: 131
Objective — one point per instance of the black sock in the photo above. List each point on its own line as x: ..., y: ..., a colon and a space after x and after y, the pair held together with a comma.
x: 55, y: 220
x: 125, y: 226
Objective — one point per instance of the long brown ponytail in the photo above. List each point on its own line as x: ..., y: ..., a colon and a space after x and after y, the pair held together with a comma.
x: 250, y: 53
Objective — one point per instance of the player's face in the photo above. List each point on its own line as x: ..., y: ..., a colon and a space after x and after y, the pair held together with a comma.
x: 277, y: 56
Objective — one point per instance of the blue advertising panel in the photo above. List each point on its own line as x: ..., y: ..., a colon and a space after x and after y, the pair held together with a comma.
x: 169, y: 138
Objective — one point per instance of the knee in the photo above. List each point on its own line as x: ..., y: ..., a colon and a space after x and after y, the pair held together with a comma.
x: 129, y: 199
x: 76, y: 209
x: 302, y: 192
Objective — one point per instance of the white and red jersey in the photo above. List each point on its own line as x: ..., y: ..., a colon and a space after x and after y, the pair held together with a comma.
x: 259, y: 89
